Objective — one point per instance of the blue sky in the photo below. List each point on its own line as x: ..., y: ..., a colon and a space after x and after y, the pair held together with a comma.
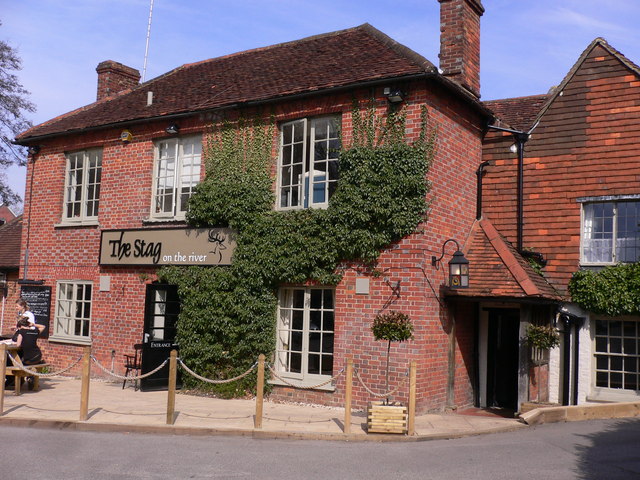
x: 527, y: 45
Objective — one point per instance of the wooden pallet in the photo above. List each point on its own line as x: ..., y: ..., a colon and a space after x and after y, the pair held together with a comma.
x: 390, y: 418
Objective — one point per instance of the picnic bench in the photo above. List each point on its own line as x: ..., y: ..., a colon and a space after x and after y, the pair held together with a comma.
x: 19, y: 374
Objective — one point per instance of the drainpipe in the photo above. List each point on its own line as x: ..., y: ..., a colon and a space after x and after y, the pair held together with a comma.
x: 26, y: 250
x: 571, y: 324
x: 479, y: 173
x: 520, y: 138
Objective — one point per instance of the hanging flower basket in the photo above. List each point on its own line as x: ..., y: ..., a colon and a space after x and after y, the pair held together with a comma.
x: 541, y: 339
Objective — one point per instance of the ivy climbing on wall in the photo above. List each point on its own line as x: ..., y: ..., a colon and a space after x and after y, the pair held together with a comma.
x: 614, y: 290
x: 228, y: 314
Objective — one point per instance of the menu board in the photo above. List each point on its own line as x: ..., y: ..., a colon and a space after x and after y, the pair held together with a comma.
x: 39, y: 300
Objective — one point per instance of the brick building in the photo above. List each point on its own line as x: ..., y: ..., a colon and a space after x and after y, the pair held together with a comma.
x: 579, y: 209
x: 125, y: 165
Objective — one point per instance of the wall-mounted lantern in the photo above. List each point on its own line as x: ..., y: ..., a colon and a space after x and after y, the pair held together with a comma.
x: 458, y: 266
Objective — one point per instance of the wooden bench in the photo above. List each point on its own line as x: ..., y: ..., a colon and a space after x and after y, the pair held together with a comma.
x: 19, y: 374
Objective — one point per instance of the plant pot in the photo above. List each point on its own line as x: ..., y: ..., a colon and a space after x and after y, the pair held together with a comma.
x: 392, y: 418
x: 539, y: 356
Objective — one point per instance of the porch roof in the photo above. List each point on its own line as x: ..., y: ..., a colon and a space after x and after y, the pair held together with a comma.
x: 497, y: 270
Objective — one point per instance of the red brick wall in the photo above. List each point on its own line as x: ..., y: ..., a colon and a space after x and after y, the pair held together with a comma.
x: 585, y: 145
x: 117, y: 317
x: 8, y: 312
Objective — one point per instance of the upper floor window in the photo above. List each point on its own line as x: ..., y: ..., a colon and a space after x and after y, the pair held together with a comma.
x: 308, y: 167
x: 610, y: 232
x: 306, y: 319
x: 176, y: 173
x: 82, y: 186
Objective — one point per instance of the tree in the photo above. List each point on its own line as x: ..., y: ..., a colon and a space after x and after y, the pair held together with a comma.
x: 13, y: 106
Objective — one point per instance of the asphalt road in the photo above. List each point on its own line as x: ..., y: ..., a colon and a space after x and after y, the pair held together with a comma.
x: 602, y: 450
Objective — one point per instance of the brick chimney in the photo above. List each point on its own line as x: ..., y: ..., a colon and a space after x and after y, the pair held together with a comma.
x: 460, y: 42
x: 113, y: 77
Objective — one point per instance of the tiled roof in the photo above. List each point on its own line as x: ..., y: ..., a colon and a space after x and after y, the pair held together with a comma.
x: 338, y: 59
x: 10, y: 235
x: 518, y: 113
x: 497, y: 270
x: 522, y: 113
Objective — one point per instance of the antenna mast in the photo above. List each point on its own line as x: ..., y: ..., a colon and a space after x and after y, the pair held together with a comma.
x: 146, y: 48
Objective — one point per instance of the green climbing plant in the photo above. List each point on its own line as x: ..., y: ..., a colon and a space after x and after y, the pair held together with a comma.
x: 614, y: 290
x: 228, y: 314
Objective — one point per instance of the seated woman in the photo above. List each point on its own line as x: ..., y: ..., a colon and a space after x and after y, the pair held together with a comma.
x: 26, y: 338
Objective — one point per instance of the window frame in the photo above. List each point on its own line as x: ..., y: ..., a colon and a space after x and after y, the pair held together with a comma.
x: 63, y: 320
x: 615, y: 202
x: 306, y: 188
x: 178, y: 144
x: 84, y: 216
x: 608, y: 391
x: 284, y: 330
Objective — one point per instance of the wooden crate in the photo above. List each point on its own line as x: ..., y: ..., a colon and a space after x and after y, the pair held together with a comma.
x: 390, y: 418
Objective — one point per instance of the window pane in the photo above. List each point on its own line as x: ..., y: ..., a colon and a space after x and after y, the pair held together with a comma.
x: 314, y: 364
x: 597, y: 233
x: 616, y: 363
x: 602, y: 379
x: 295, y: 363
x: 327, y: 365
x: 615, y: 328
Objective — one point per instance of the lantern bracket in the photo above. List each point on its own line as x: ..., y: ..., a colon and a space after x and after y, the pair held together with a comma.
x: 435, y: 261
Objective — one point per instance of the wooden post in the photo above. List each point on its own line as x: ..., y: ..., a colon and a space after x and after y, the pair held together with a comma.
x: 411, y: 427
x: 86, y: 375
x: 257, y: 423
x: 347, y: 395
x: 3, y: 372
x: 171, y: 397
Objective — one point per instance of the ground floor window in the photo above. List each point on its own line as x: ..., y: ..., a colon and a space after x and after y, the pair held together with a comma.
x: 73, y: 310
x: 616, y: 354
x: 306, y: 318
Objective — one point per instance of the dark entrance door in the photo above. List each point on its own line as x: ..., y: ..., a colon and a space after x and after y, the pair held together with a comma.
x: 502, y: 358
x: 162, y: 307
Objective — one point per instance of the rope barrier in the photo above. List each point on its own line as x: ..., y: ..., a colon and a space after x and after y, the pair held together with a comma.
x: 379, y: 395
x: 129, y: 377
x: 17, y: 364
x: 303, y: 387
x: 216, y: 382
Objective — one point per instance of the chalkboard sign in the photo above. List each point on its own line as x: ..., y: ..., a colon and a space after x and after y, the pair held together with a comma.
x: 39, y: 300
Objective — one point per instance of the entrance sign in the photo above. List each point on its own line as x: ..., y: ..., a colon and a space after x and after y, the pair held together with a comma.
x: 167, y: 246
